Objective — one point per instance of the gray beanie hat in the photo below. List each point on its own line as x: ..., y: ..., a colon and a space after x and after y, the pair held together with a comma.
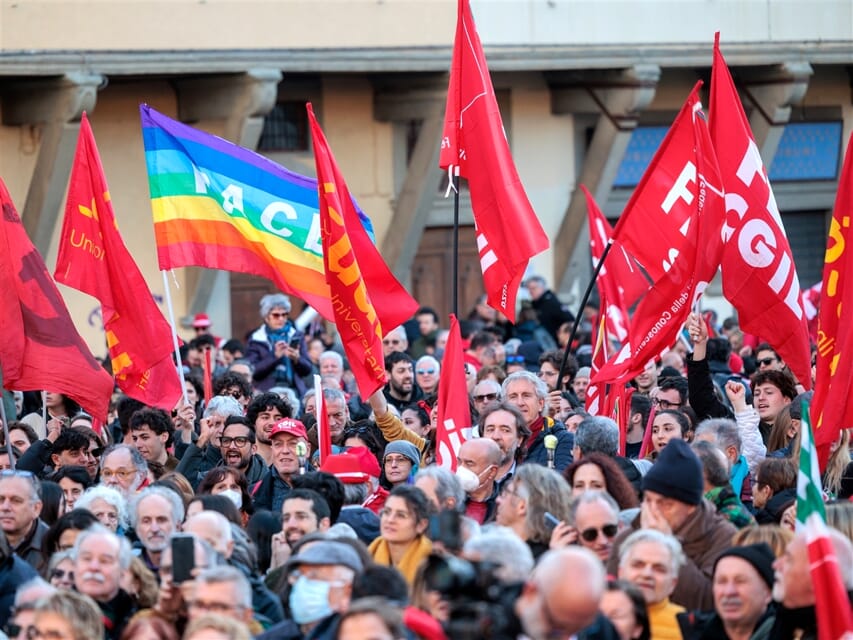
x: 404, y: 449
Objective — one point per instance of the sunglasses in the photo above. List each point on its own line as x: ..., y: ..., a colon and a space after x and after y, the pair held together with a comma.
x: 486, y: 397
x: 277, y: 314
x: 591, y: 534
x: 426, y: 372
x: 766, y: 362
x: 515, y: 359
x: 61, y: 573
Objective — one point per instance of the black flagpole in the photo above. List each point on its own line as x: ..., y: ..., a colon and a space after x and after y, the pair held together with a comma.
x: 454, y: 179
x: 577, y: 321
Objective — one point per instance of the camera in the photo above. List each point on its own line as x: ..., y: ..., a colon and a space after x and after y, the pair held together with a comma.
x: 481, y: 606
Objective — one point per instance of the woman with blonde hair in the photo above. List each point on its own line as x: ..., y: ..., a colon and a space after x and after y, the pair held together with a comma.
x: 69, y: 615
x: 215, y: 627
x: 775, y: 536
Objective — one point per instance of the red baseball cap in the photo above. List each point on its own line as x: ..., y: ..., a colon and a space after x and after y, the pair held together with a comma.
x: 367, y: 462
x: 346, y: 468
x: 201, y: 321
x: 291, y: 426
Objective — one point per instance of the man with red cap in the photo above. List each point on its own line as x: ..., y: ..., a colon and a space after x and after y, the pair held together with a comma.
x: 291, y: 455
x: 348, y: 468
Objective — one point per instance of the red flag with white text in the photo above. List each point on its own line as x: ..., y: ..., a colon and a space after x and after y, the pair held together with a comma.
x: 759, y: 275
x: 671, y: 226
x: 454, y: 413
x: 620, y: 280
x: 40, y: 347
x: 508, y: 231
x: 353, y: 266
x: 832, y: 406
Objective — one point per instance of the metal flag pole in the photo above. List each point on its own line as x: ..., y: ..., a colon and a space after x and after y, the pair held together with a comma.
x: 175, y: 345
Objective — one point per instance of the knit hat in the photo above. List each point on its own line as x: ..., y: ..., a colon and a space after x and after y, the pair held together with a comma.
x: 759, y: 555
x: 676, y: 474
x: 583, y: 372
x: 404, y: 449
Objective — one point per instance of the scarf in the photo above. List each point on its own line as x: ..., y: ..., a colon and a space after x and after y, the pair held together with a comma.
x: 415, y: 554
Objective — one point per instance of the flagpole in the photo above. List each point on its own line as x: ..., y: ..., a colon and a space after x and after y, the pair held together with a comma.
x: 175, y: 345
x: 455, y: 182
x: 578, y: 315
x: 6, y: 434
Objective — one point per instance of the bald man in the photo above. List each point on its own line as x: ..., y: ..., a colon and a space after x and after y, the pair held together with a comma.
x: 546, y: 608
x: 477, y: 469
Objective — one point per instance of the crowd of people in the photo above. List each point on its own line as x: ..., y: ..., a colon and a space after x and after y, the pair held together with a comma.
x: 219, y: 520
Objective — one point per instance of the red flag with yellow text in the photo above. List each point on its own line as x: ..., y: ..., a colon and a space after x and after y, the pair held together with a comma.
x: 454, y: 412
x: 832, y: 406
x: 508, y: 231
x: 363, y: 314
x: 40, y: 347
x: 759, y: 277
x: 94, y: 259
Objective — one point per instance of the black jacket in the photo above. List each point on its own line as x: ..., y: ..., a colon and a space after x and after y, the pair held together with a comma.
x: 13, y: 573
x: 562, y: 454
x: 551, y: 312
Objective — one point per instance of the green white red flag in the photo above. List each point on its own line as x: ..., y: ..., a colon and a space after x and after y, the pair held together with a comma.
x: 832, y: 608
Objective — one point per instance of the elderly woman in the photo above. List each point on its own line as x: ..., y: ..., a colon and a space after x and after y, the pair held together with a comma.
x: 68, y: 615
x: 277, y: 349
x: 107, y: 505
x: 427, y: 371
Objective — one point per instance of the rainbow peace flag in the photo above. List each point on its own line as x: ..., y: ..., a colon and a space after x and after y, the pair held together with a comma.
x: 221, y: 206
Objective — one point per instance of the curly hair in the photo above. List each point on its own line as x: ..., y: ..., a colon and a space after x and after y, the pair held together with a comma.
x: 616, y: 483
x: 220, y: 474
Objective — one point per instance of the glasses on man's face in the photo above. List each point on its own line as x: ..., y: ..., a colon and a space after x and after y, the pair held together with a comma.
x: 212, y: 607
x: 240, y: 441
x: 486, y: 397
x: 391, y: 342
x: 121, y: 474
x: 515, y: 359
x: 234, y: 393
x: 426, y: 372
x: 97, y: 452
x: 277, y: 314
x: 766, y: 362
x: 666, y: 404
x: 591, y: 534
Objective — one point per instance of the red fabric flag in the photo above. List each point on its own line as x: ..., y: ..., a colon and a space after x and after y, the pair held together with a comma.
x: 832, y: 405
x: 40, y: 348
x: 595, y: 392
x: 454, y: 413
x: 508, y: 231
x: 620, y: 280
x: 94, y: 259
x: 671, y: 226
x: 367, y: 299
x: 759, y: 277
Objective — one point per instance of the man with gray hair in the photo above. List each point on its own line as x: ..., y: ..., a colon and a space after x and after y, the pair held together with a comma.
x: 20, y: 508
x: 205, y: 453
x: 500, y: 546
x: 331, y: 365
x: 651, y: 560
x: 277, y: 348
x: 718, y: 489
x: 741, y: 444
x: 100, y: 559
x: 442, y: 488
x: 123, y: 468
x: 485, y: 392
x: 529, y: 394
x: 156, y: 513
x: 22, y: 614
x: 224, y: 591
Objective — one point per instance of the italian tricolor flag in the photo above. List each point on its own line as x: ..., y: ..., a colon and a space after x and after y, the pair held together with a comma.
x: 834, y: 619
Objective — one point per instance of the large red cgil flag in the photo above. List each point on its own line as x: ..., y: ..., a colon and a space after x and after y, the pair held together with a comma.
x: 832, y: 406
x: 508, y: 231
x: 671, y: 226
x: 454, y: 412
x: 94, y: 259
x: 41, y: 348
x: 351, y: 262
x: 759, y: 277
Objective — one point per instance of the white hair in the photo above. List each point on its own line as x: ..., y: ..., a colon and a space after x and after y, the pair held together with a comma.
x: 109, y: 495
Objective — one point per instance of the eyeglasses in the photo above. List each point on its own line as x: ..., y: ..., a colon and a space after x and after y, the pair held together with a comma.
x: 240, y: 441
x: 390, y: 460
x: 33, y: 633
x: 391, y: 342
x: 591, y: 534
x: 122, y: 474
x: 486, y: 397
x: 766, y: 362
x: 97, y: 453
x: 294, y: 575
x: 61, y: 573
x: 212, y: 607
x: 12, y: 630
x: 16, y: 473
x: 277, y: 314
x: 426, y: 372
x: 515, y: 359
x: 234, y: 393
x: 666, y: 404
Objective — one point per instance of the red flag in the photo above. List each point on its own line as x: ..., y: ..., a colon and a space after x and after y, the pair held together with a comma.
x: 671, y: 226
x: 94, y: 259
x: 363, y: 315
x: 40, y: 348
x: 620, y: 280
x: 207, y: 372
x: 832, y: 406
x: 454, y: 413
x: 595, y: 392
x: 508, y: 231
x: 759, y: 277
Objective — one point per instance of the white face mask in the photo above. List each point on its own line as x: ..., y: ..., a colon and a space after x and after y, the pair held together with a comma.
x: 468, y: 479
x: 234, y: 496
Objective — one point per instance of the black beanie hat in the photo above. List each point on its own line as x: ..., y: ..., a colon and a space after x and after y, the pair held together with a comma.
x: 759, y: 555
x: 676, y: 474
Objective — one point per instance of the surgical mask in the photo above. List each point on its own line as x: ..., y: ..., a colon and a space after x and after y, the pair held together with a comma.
x: 469, y: 480
x: 234, y: 496
x: 309, y: 600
